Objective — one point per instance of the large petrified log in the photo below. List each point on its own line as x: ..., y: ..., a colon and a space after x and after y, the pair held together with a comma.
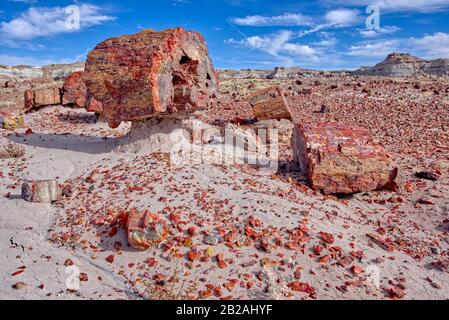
x: 342, y: 159
x: 270, y: 103
x: 42, y: 97
x: 151, y: 73
x: 74, y: 90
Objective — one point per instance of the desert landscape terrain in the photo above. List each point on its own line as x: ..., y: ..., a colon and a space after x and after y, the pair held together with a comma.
x: 227, y: 230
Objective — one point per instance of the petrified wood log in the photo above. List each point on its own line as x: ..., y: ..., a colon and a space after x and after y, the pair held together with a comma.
x: 42, y: 97
x: 341, y: 159
x: 270, y: 103
x: 41, y: 191
x: 151, y: 73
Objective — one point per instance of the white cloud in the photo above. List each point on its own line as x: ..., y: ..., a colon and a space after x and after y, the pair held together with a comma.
x: 287, y: 19
x: 428, y: 47
x: 278, y: 45
x: 374, y: 49
x: 432, y: 46
x: 371, y: 33
x: 399, y: 5
x: 41, y: 22
x: 342, y: 17
x: 180, y: 3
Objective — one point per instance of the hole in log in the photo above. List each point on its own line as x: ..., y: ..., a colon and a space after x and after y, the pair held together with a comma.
x: 178, y: 80
x: 185, y: 59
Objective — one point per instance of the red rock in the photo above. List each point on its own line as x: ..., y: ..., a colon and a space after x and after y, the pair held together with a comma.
x: 74, y: 90
x: 42, y: 97
x: 151, y: 73
x: 270, y: 103
x: 327, y: 237
x: 307, y: 90
x: 381, y: 243
x: 145, y: 230
x: 357, y: 270
x: 341, y: 159
x: 29, y: 100
x: 301, y: 287
x: 92, y: 104
x: 10, y: 84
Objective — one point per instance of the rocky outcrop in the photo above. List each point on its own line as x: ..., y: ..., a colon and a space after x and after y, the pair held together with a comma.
x: 55, y: 72
x: 151, y: 73
x: 74, y: 90
x: 439, y: 68
x: 59, y: 72
x: 341, y: 159
x: 21, y: 72
x: 406, y: 65
x: 225, y: 74
x: 289, y: 73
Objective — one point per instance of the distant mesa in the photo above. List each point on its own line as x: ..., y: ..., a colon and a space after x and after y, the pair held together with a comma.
x: 395, y: 65
x: 406, y: 65
x: 56, y: 72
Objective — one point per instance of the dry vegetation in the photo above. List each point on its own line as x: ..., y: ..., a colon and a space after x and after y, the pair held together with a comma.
x: 11, y: 150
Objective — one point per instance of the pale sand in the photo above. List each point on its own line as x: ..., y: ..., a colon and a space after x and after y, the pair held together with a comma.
x: 207, y: 197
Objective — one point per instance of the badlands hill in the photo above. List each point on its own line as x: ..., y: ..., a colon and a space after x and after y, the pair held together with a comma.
x: 406, y: 65
x: 395, y: 65
x: 56, y: 72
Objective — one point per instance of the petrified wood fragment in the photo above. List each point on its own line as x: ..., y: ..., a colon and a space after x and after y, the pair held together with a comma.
x: 145, y: 229
x: 270, y: 103
x: 47, y: 191
x: 341, y: 159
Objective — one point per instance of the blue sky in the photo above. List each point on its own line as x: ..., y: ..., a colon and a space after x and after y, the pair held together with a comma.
x: 262, y: 34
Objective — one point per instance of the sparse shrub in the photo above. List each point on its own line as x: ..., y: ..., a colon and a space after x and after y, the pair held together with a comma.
x: 11, y: 150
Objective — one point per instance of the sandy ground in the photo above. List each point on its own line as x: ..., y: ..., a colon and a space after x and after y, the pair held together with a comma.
x: 267, y: 227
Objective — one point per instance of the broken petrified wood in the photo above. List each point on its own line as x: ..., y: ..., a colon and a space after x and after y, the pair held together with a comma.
x: 307, y: 90
x: 41, y: 98
x: 10, y: 84
x: 151, y: 73
x: 46, y: 191
x: 270, y: 103
x: 74, y: 90
x: 145, y: 230
x: 92, y: 104
x: 341, y: 159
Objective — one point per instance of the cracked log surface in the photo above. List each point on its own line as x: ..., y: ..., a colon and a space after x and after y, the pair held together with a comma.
x: 150, y: 73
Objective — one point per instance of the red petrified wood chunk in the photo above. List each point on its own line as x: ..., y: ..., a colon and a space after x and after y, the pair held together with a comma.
x: 145, y: 230
x: 151, y: 73
x: 74, y: 90
x: 92, y: 104
x: 42, y: 97
x: 270, y: 103
x: 342, y: 159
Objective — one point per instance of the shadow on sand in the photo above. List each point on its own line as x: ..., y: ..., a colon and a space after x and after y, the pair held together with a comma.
x: 70, y: 142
